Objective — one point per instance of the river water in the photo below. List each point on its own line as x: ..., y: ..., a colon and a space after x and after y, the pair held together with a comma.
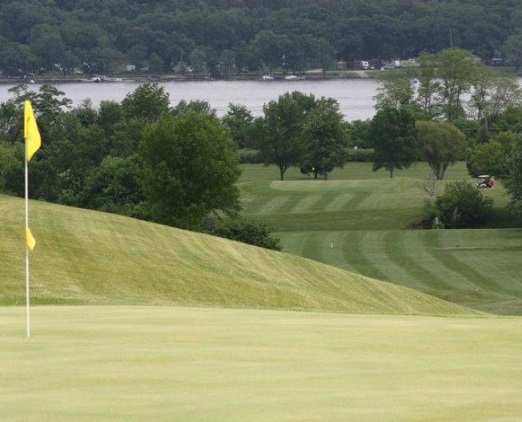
x: 355, y: 96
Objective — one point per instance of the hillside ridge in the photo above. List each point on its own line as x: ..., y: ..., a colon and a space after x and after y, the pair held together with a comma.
x: 90, y: 257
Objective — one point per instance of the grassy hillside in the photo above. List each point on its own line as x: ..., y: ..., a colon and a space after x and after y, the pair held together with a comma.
x: 86, y: 257
x: 357, y: 220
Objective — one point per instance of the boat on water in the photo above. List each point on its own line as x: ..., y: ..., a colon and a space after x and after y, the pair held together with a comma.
x: 97, y: 79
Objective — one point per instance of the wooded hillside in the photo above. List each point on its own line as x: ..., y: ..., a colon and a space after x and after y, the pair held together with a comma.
x: 223, y: 37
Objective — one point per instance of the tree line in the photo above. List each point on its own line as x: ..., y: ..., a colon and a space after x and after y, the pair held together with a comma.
x: 228, y: 37
x: 179, y: 164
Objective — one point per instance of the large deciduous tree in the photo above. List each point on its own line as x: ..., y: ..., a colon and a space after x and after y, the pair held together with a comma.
x: 395, y: 91
x: 392, y: 133
x: 456, y: 68
x: 492, y: 95
x: 240, y: 122
x: 440, y: 144
x: 190, y: 169
x: 428, y: 88
x: 147, y: 103
x: 282, y: 142
x: 325, y: 139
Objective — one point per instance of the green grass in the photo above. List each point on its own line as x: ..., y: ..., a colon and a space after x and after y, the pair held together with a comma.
x: 87, y: 257
x: 358, y: 219
x: 185, y: 364
x: 358, y: 349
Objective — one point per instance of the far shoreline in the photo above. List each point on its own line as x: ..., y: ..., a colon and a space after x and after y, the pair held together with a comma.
x: 142, y: 78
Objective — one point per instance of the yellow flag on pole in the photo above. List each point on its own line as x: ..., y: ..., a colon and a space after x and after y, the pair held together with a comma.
x: 33, y: 141
x: 29, y: 239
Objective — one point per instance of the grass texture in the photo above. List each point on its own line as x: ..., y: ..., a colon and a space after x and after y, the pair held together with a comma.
x: 358, y: 220
x: 192, y: 364
x: 87, y: 257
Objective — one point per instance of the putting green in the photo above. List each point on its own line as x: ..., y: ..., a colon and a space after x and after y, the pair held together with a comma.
x: 187, y: 364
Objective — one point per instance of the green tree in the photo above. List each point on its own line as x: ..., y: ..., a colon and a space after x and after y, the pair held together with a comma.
x: 146, y: 103
x: 463, y: 205
x: 513, y: 176
x: 268, y: 48
x: 359, y: 133
x: 512, y: 48
x: 492, y: 157
x: 113, y: 186
x: 440, y: 144
x: 190, y: 169
x: 429, y: 87
x: 247, y: 231
x: 11, y: 168
x: 282, y: 142
x: 199, y: 60
x: 456, y: 69
x: 324, y: 138
x: 240, y: 122
x: 492, y: 95
x: 46, y: 42
x: 395, y: 91
x: 393, y: 137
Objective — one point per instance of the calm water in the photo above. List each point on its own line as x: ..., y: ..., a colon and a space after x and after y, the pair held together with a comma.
x: 355, y: 96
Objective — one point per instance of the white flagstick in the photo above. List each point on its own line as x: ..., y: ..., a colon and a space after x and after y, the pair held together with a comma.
x: 27, y: 290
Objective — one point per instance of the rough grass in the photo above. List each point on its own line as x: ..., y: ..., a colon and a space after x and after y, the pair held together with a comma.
x: 181, y: 364
x: 87, y: 257
x: 358, y: 220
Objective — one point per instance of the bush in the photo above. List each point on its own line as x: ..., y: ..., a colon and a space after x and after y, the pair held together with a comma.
x: 241, y: 230
x: 249, y: 156
x: 360, y: 155
x: 462, y: 205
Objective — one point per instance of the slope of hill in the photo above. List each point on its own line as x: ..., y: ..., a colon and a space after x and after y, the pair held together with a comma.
x: 87, y: 257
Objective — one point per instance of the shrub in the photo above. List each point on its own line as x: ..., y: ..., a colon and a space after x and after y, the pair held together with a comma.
x: 249, y: 156
x: 462, y: 205
x: 241, y: 230
x: 359, y: 155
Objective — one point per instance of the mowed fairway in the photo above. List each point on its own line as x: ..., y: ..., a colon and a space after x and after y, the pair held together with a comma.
x: 187, y: 364
x: 358, y: 220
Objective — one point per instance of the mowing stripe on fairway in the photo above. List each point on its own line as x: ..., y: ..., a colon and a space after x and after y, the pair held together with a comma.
x: 354, y: 257
x: 339, y: 202
x: 473, y: 276
x: 274, y: 205
x: 419, y: 259
x: 307, y: 204
x: 416, y: 247
x: 376, y: 249
x: 395, y: 201
x: 357, y: 199
x: 394, y: 241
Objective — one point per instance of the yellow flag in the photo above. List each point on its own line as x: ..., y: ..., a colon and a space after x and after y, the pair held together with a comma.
x: 29, y: 239
x: 33, y: 141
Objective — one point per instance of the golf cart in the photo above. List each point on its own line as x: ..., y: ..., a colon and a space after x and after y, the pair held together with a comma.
x: 485, y: 181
